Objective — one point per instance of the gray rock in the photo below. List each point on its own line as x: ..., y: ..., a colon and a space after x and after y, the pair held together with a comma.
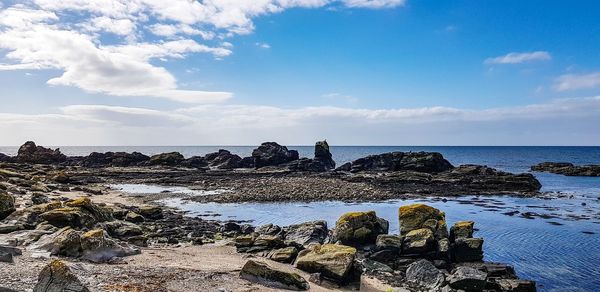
x: 7, y: 204
x: 264, y: 274
x: 304, y: 234
x: 323, y: 155
x: 424, y: 274
x: 467, y: 278
x: 57, y: 277
x: 15, y: 251
x: 6, y: 257
x: 391, y: 242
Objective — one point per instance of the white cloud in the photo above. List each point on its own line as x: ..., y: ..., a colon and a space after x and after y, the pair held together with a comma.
x: 518, y: 58
x: 263, y: 45
x: 123, y: 27
x: 574, y: 81
x: 374, y: 3
x: 564, y: 121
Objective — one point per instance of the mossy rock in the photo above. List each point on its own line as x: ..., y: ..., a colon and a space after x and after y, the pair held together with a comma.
x: 171, y: 159
x: 461, y: 229
x: 333, y: 261
x: 134, y: 217
x: 69, y: 216
x: 7, y: 204
x: 356, y: 228
x: 417, y: 216
x: 57, y: 276
x: 67, y: 243
x: 418, y: 241
x: 264, y: 274
x: 268, y: 240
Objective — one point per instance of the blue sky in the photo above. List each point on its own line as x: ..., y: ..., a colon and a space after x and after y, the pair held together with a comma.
x: 380, y: 72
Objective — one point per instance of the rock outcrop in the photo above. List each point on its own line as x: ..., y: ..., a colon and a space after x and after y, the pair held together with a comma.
x: 428, y: 162
x: 56, y: 277
x: 272, y: 154
x: 359, y: 228
x: 568, y: 169
x: 31, y: 153
x: 7, y: 204
x: 169, y: 159
x: 223, y: 159
x: 117, y: 159
x: 264, y: 274
x: 323, y: 155
x: 333, y: 261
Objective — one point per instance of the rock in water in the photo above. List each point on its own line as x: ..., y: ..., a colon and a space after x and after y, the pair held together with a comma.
x: 424, y: 274
x: 428, y: 162
x: 30, y: 153
x: 57, y: 277
x: 323, y: 155
x: 272, y: 154
x: 170, y: 159
x: 568, y: 169
x: 266, y: 275
x: 468, y: 279
x: 461, y: 229
x: 333, y: 261
x: 356, y: 228
x: 7, y: 204
x: 417, y: 216
x: 467, y: 250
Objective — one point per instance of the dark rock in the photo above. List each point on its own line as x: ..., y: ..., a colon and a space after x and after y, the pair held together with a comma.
x: 231, y: 227
x: 424, y: 274
x: 38, y: 198
x: 223, y: 159
x: 467, y: 250
x: 150, y: 212
x: 358, y: 228
x: 264, y: 274
x: 272, y: 154
x: 269, y: 229
x: 247, y: 162
x: 304, y: 164
x: 15, y: 251
x: 30, y: 153
x: 323, y: 155
x: 5, y: 158
x: 6, y: 257
x: 568, y: 169
x: 429, y: 162
x: 117, y: 159
x: 134, y: 217
x: 468, y: 279
x: 7, y: 204
x: 283, y: 255
x: 483, y: 178
x: 366, y: 265
x: 57, y: 277
x: 304, y: 234
x: 169, y: 159
x: 195, y: 162
x: 345, y: 167
x: 461, y: 229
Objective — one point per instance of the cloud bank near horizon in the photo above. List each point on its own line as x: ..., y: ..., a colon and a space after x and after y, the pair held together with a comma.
x: 560, y: 122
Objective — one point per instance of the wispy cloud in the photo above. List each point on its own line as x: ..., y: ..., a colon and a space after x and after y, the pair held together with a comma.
x: 263, y: 45
x: 518, y: 58
x: 575, y: 81
x: 374, y: 3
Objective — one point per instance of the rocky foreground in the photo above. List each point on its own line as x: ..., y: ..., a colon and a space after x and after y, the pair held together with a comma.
x: 568, y: 169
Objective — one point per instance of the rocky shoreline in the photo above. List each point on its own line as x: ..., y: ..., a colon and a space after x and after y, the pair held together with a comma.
x: 568, y: 169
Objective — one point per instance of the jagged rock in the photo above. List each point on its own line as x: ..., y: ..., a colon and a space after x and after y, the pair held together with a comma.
x: 568, y: 169
x: 57, y: 277
x: 264, y: 274
x: 461, y: 229
x: 429, y: 162
x: 304, y: 234
x: 134, y: 217
x: 467, y: 250
x: 30, y: 153
x: 323, y: 155
x: 5, y: 158
x: 366, y: 265
x: 424, y: 274
x: 468, y: 279
x: 7, y: 204
x: 195, y: 162
x: 271, y: 241
x: 223, y: 160
x: 389, y: 242
x: 284, y: 255
x: 443, y: 248
x: 356, y: 228
x: 418, y: 241
x: 272, y: 154
x: 269, y: 229
x: 118, y: 159
x: 170, y: 159
x: 417, y: 216
x: 331, y: 260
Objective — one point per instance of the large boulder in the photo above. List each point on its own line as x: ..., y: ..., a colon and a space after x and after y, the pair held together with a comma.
x: 305, y: 164
x: 223, y: 159
x: 304, y: 234
x: 57, y: 277
x: 5, y: 158
x: 31, y: 153
x: 7, y: 204
x: 467, y: 279
x: 323, y: 155
x: 417, y: 216
x: 272, y: 154
x: 425, y: 275
x: 467, y: 250
x: 418, y: 241
x: 170, y: 159
x: 264, y: 274
x: 283, y: 255
x: 358, y: 228
x: 461, y: 229
x: 195, y: 162
x: 78, y: 213
x: 429, y: 162
x: 333, y: 261
x: 98, y: 247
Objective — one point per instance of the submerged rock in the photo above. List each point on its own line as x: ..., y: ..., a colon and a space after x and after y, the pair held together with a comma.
x: 333, y: 261
x: 272, y: 154
x: 356, y: 228
x: 57, y: 277
x: 264, y: 274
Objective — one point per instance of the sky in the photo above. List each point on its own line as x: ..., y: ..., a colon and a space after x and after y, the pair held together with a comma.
x: 354, y: 72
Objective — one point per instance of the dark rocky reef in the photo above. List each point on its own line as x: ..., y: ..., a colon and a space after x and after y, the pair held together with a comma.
x: 272, y: 154
x: 116, y: 159
x: 31, y: 153
x: 428, y: 162
x: 568, y: 169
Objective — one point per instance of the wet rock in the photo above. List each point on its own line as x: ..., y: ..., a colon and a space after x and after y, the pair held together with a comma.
x: 424, y: 274
x: 57, y: 277
x: 418, y: 241
x: 389, y: 242
x: 468, y: 279
x: 304, y: 234
x: 356, y: 228
x: 323, y: 155
x: 428, y: 162
x: 461, y: 229
x: 417, y: 216
x: 134, y: 217
x: 568, y: 169
x: 272, y: 154
x: 331, y: 260
x: 223, y: 159
x: 467, y: 250
x: 31, y: 153
x: 7, y: 204
x: 284, y: 255
x: 264, y: 274
x: 169, y: 159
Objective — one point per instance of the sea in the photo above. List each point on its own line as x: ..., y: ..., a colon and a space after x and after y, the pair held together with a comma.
x: 554, y: 239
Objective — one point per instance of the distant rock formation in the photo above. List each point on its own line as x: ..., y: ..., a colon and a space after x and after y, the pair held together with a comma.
x: 568, y: 169
x: 428, y: 162
x: 323, y: 155
x: 30, y: 153
x: 273, y: 154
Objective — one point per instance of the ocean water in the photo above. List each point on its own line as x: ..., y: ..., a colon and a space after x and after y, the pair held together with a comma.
x: 559, y: 246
